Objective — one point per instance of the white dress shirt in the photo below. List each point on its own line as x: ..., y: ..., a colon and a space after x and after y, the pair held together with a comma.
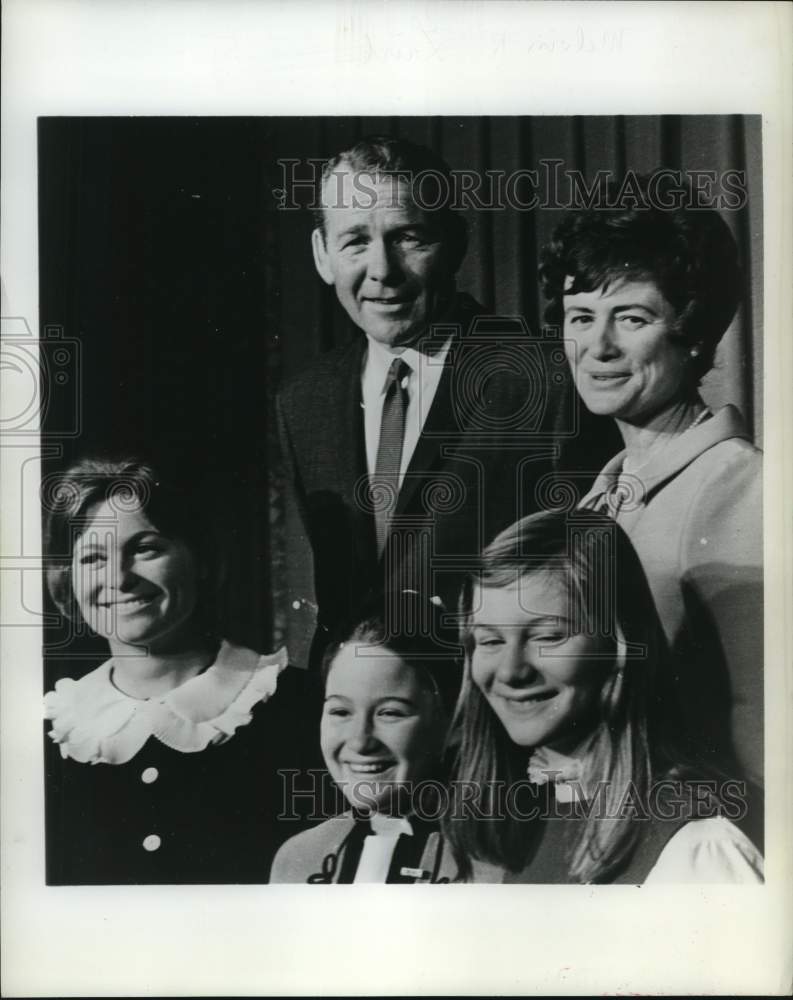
x: 422, y: 384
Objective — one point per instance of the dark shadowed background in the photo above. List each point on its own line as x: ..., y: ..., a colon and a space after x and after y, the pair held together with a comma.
x: 191, y: 296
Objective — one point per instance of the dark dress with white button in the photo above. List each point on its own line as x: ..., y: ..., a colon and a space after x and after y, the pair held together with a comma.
x: 169, y: 816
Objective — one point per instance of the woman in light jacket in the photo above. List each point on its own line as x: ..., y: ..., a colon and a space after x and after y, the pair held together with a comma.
x: 644, y: 296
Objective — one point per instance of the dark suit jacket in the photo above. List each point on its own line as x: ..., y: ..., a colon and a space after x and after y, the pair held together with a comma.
x: 489, y: 439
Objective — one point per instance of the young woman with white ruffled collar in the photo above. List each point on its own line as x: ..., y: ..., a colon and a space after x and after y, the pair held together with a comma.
x: 169, y: 750
x: 563, y: 730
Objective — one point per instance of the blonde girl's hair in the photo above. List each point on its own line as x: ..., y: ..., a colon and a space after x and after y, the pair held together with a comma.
x: 609, y: 598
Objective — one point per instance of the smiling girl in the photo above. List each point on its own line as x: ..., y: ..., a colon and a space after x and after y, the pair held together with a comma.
x: 564, y: 730
x: 168, y: 751
x: 384, y: 722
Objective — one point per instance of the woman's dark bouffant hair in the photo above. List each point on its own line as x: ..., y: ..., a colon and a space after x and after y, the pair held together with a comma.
x: 689, y: 253
x: 414, y: 628
x: 177, y: 511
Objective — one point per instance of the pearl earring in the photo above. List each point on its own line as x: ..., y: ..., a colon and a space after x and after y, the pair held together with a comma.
x: 694, y: 352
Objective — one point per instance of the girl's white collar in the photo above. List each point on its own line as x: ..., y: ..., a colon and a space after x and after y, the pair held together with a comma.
x: 93, y: 722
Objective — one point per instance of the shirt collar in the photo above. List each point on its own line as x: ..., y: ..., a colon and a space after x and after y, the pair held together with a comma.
x: 378, y: 359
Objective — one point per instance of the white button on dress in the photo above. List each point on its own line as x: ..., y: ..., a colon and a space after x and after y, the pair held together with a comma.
x: 152, y: 842
x: 150, y: 775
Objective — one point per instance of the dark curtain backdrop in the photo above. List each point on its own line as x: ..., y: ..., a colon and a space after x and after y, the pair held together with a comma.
x: 192, y: 295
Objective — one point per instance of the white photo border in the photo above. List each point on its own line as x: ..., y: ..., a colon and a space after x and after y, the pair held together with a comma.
x: 188, y: 57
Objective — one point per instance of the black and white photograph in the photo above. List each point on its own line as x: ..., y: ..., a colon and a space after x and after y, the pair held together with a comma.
x: 397, y: 482
x: 473, y: 408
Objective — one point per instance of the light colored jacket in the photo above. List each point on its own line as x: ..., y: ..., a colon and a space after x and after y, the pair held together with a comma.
x: 694, y: 515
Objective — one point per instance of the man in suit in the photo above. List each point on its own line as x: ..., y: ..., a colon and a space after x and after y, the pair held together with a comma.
x: 414, y: 444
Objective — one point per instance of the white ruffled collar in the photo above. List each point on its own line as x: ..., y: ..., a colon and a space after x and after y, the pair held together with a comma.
x: 93, y: 722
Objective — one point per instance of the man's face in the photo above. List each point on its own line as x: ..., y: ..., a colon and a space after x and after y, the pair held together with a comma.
x: 392, y: 270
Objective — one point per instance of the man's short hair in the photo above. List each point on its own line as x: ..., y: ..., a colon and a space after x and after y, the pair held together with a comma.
x: 429, y: 176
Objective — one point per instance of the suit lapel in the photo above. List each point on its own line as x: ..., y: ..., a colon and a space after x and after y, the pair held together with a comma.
x: 438, y: 426
x: 441, y: 424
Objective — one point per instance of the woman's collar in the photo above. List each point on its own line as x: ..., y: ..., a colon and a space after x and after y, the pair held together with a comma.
x: 726, y: 423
